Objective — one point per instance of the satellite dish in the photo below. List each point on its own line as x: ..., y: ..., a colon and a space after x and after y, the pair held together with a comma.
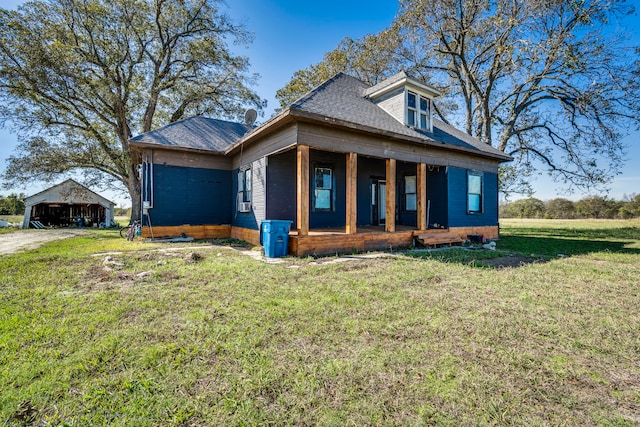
x: 250, y: 116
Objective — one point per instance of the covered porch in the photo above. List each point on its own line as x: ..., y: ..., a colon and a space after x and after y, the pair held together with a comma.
x: 333, y: 189
x: 393, y: 213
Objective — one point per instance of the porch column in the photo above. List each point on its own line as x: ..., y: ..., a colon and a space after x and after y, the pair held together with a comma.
x: 352, y: 184
x: 390, y: 221
x: 303, y: 190
x: 422, y: 196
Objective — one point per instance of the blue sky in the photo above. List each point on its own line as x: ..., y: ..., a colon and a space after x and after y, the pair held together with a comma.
x: 293, y: 34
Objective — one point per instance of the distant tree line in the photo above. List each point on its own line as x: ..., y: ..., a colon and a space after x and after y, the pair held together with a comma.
x: 595, y: 207
x: 122, y: 211
x: 13, y: 204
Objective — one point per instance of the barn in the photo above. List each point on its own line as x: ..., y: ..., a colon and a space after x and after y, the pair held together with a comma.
x: 64, y: 204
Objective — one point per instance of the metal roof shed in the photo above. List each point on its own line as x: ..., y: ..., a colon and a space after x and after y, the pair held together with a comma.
x: 62, y: 205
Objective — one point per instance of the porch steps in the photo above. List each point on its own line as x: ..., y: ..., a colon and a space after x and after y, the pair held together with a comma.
x: 438, y: 238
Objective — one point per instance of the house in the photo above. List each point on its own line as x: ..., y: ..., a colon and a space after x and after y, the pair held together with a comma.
x: 62, y: 205
x: 353, y: 167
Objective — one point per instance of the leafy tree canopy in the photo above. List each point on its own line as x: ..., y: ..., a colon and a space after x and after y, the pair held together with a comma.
x: 79, y: 78
x: 13, y: 204
x: 553, y: 83
x: 371, y: 59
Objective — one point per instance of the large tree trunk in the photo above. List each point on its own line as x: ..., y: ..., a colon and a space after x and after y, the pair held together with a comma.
x: 133, y: 185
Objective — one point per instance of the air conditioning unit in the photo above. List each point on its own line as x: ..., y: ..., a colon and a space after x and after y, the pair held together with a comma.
x: 244, y: 207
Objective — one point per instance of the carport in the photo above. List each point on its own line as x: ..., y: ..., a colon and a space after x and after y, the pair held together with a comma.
x: 67, y: 204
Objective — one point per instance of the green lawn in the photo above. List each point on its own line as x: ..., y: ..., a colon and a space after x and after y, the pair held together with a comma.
x: 209, y: 336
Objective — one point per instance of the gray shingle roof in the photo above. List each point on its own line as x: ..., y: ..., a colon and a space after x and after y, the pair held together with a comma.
x: 199, y: 133
x: 344, y: 98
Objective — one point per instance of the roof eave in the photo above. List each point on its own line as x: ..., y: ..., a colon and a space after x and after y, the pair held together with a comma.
x: 139, y: 144
x: 320, y: 119
x: 408, y: 82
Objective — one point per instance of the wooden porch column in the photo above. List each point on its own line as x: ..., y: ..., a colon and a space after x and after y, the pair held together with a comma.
x: 352, y: 196
x: 390, y: 221
x: 303, y: 190
x: 422, y: 196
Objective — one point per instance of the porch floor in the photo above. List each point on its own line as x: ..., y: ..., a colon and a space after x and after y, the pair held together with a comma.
x: 367, y: 238
x: 360, y: 230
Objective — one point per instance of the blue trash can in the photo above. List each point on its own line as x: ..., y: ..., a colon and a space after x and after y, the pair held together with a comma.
x: 274, y: 237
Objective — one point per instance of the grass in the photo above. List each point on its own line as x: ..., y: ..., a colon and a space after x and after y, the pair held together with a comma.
x: 209, y: 336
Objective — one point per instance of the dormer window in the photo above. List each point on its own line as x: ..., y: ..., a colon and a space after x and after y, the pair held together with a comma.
x: 418, y: 111
x: 406, y: 100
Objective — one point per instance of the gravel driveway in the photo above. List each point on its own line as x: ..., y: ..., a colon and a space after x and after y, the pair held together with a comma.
x: 22, y: 240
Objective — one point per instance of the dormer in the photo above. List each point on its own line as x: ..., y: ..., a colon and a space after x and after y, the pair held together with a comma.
x: 406, y: 99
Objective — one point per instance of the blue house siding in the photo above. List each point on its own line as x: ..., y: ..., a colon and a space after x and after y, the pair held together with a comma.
x: 458, y: 215
x: 437, y: 196
x: 337, y: 216
x: 193, y: 196
x: 282, y: 187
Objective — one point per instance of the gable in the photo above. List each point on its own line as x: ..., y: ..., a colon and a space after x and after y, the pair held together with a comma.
x: 68, y: 191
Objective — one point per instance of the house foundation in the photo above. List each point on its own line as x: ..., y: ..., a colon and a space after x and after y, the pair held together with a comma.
x: 332, y: 241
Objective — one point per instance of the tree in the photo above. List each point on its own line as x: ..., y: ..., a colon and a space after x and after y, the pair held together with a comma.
x: 13, y: 204
x: 560, y: 208
x: 630, y: 207
x: 371, y: 58
x: 545, y: 81
x: 79, y: 78
x: 597, y: 207
x: 551, y: 82
x: 524, y: 208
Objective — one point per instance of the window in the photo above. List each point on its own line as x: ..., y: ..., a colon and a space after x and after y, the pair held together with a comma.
x: 410, y: 193
x: 411, y: 109
x: 418, y: 111
x: 425, y: 122
x: 474, y: 192
x: 244, y: 185
x: 323, y: 189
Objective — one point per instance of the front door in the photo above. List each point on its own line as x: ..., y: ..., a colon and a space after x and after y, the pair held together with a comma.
x: 378, y: 202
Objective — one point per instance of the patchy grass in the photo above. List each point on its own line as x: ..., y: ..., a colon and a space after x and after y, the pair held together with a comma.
x: 97, y: 330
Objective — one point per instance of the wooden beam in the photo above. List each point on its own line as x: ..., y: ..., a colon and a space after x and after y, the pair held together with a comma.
x: 303, y: 190
x: 422, y: 196
x: 390, y: 221
x: 352, y: 184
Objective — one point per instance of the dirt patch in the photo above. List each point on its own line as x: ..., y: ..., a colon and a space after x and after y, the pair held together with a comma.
x: 11, y: 243
x: 510, y: 261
